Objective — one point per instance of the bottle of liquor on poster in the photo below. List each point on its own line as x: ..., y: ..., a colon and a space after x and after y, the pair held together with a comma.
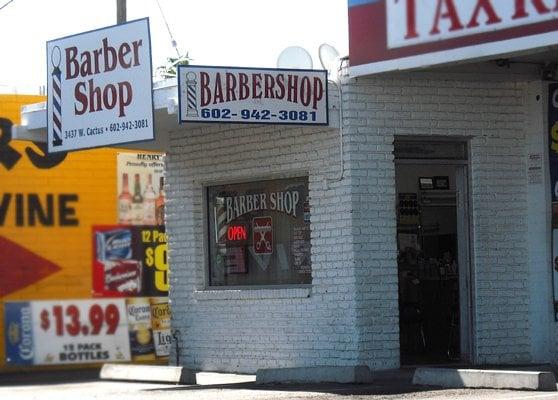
x: 140, y: 330
x: 125, y: 203
x: 149, y: 197
x: 137, y: 202
x: 160, y: 203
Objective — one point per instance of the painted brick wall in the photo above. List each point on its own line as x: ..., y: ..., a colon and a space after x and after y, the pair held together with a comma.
x: 250, y: 329
x: 492, y: 113
x: 541, y: 313
x: 350, y: 315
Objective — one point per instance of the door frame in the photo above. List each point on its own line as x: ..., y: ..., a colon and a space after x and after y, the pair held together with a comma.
x: 464, y: 239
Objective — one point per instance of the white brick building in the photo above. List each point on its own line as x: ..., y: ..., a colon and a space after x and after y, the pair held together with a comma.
x: 416, y: 227
x: 350, y: 312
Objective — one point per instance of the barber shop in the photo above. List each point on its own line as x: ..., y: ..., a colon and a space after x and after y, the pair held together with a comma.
x: 399, y: 214
x: 393, y: 207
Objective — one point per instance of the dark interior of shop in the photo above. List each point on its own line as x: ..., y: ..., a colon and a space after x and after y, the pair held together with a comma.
x: 427, y: 264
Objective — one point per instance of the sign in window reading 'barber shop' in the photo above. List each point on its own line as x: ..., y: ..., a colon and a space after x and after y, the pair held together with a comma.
x: 259, y: 233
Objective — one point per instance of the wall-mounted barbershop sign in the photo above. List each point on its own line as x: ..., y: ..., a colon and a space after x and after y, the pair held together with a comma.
x: 387, y: 35
x: 100, y: 88
x: 247, y: 95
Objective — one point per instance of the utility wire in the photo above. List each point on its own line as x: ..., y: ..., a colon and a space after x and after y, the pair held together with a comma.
x: 173, y: 42
x: 5, y: 4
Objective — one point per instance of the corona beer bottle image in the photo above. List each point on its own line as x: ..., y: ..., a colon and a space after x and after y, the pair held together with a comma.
x: 139, y: 329
x: 160, y: 313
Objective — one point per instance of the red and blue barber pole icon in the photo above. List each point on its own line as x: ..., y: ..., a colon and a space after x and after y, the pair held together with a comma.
x: 56, y: 57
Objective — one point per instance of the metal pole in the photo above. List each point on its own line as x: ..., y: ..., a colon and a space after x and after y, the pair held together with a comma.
x: 120, y: 11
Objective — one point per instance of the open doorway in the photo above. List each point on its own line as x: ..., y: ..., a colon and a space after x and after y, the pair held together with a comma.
x: 433, y: 247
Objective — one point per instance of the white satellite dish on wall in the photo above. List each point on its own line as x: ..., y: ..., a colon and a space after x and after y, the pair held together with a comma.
x: 295, y: 57
x: 329, y: 58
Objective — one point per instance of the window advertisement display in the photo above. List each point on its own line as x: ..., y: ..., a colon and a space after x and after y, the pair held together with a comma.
x: 553, y: 167
x: 259, y: 233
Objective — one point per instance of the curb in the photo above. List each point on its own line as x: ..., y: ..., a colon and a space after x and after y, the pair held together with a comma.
x: 148, y: 373
x: 324, y: 374
x: 493, y: 379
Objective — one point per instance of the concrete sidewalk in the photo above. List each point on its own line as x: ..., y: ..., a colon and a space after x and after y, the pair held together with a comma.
x: 388, y: 385
x: 528, y: 378
x: 13, y: 378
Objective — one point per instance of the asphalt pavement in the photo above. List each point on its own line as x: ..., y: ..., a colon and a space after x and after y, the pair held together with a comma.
x: 84, y: 385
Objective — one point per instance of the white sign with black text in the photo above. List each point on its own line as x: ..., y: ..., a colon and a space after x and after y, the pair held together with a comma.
x: 248, y: 95
x: 100, y: 88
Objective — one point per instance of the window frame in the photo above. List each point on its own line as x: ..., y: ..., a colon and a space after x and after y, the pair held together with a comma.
x: 207, y: 287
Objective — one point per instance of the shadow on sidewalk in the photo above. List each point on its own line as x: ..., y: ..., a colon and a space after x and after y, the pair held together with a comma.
x: 384, y: 383
x: 30, y: 377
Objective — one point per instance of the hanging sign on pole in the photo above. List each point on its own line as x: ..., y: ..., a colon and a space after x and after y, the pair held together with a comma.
x: 100, y: 88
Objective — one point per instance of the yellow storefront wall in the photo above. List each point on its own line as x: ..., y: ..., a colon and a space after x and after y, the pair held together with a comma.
x: 89, y: 179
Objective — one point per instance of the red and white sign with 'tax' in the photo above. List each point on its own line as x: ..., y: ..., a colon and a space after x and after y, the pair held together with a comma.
x: 100, y: 88
x: 431, y: 20
x: 399, y: 34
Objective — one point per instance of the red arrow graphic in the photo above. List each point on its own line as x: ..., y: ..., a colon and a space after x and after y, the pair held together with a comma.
x: 20, y: 267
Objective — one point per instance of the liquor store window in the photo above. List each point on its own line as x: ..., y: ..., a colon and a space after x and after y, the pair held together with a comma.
x: 259, y: 233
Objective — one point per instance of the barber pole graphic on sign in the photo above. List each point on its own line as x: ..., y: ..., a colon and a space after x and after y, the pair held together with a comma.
x: 55, y: 58
x: 100, y: 88
x: 220, y: 221
x: 248, y: 95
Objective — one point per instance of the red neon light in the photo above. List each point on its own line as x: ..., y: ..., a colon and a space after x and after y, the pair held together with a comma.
x: 237, y: 232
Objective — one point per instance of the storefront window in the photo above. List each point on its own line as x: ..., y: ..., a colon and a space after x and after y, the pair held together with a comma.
x: 259, y: 233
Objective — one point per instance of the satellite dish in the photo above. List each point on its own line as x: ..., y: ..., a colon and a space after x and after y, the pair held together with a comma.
x: 295, y: 57
x: 329, y: 58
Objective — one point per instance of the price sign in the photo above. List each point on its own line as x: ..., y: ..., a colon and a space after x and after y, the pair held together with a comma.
x: 67, y: 320
x: 67, y: 332
x: 155, y: 242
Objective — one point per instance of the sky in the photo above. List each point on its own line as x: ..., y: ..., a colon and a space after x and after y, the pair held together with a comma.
x: 250, y: 33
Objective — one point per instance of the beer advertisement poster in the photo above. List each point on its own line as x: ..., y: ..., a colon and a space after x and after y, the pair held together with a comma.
x: 48, y: 313
x: 130, y: 261
x: 66, y: 332
x: 89, y: 331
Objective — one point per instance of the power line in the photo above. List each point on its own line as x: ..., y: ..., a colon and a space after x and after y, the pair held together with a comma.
x: 173, y: 42
x: 5, y: 4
